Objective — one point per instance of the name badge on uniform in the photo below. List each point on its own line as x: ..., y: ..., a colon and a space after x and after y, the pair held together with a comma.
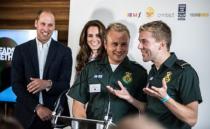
x: 98, y: 76
x: 94, y: 88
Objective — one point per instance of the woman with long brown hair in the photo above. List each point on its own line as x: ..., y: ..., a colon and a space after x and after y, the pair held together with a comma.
x: 91, y: 43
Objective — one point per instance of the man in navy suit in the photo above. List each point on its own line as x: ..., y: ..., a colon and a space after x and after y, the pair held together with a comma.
x: 41, y: 70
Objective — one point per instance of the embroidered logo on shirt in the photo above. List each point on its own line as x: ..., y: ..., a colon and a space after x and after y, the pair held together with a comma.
x: 127, y: 78
x: 168, y: 77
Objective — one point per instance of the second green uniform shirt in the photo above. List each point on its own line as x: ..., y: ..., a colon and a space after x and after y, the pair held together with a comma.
x: 90, y: 87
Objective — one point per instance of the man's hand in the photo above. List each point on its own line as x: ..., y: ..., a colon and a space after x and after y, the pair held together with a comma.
x: 43, y: 113
x: 37, y: 85
x: 157, y: 92
x: 123, y: 93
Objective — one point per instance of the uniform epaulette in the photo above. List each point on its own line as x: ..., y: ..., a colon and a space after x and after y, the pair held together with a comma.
x: 182, y: 63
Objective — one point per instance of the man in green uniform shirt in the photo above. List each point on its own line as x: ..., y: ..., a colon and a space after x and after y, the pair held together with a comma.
x: 173, y: 89
x: 90, y: 87
x: 173, y: 92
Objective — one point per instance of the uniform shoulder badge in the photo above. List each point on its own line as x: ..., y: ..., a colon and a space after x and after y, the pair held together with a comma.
x: 127, y: 78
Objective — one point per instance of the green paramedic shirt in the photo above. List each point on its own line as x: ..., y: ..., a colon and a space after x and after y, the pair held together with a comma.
x: 183, y: 87
x: 90, y: 87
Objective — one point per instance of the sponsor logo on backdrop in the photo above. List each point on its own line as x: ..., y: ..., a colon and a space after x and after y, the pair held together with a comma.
x: 182, y: 11
x: 134, y: 14
x: 150, y: 11
x: 203, y: 14
x: 167, y: 15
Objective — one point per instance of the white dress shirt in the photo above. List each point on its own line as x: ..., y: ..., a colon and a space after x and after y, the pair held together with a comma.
x: 42, y: 50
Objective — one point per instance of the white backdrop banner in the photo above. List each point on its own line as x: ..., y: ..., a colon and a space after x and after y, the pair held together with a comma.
x: 189, y: 21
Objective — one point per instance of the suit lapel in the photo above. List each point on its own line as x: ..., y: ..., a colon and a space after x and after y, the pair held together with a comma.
x: 34, y: 57
x: 50, y: 56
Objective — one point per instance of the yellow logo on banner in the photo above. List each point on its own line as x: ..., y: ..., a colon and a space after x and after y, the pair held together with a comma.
x: 127, y: 78
x: 168, y: 77
x: 150, y: 12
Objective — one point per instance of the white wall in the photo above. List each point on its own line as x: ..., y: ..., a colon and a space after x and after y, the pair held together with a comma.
x: 191, y: 38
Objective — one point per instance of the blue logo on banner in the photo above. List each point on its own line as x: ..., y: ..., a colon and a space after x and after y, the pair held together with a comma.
x: 181, y: 11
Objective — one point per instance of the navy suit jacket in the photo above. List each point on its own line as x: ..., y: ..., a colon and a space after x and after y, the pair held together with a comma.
x: 25, y: 65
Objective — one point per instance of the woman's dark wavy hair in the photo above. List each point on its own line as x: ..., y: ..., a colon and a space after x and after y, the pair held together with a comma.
x: 85, y: 51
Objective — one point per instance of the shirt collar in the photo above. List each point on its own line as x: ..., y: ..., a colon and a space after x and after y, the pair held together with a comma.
x: 124, y: 63
x: 47, y: 44
x: 169, y: 62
